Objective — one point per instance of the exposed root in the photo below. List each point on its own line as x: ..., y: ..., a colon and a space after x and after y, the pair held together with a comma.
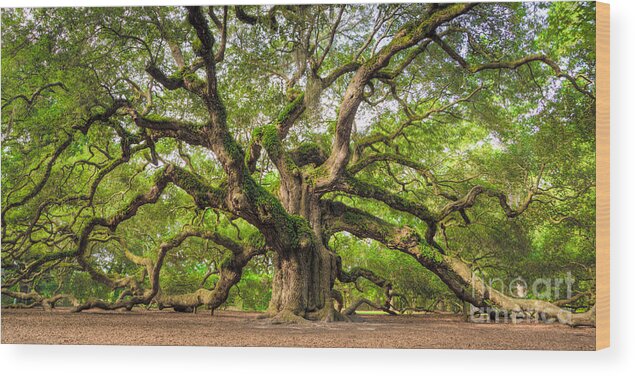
x: 328, y: 314
x: 351, y: 310
x: 333, y: 315
x: 287, y: 317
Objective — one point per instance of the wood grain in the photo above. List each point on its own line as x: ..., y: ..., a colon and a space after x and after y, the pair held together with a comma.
x: 603, y: 301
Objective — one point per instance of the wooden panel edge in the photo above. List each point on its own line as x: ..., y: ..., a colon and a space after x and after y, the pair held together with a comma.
x: 603, y: 301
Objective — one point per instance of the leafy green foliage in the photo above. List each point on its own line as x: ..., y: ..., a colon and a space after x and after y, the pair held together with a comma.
x: 509, y: 130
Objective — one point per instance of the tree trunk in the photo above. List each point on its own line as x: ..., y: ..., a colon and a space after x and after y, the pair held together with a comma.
x: 303, y: 278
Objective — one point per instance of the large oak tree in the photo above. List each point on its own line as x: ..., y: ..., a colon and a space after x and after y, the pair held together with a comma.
x: 273, y: 130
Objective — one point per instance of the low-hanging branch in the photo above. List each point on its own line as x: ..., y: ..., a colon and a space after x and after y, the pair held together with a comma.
x: 229, y: 271
x: 455, y: 273
x: 37, y: 300
x: 353, y: 275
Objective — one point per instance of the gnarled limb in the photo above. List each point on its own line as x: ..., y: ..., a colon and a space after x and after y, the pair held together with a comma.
x: 354, y: 274
x: 230, y: 271
x: 100, y: 117
x: 359, y: 162
x: 367, y: 190
x: 165, y: 127
x: 229, y: 275
x: 268, y: 20
x: 470, y: 199
x: 82, y: 240
x: 170, y: 83
x: 353, y: 307
x: 271, y: 137
x: 456, y: 274
x: 35, y: 95
x: 38, y: 187
x: 47, y: 303
x: 406, y: 37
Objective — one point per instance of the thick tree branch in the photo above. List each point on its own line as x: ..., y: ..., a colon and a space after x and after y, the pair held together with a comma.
x: 160, y: 127
x: 367, y: 190
x: 168, y: 82
x: 240, y: 253
x: 456, y: 274
x: 268, y: 20
x: 48, y: 303
x: 406, y: 37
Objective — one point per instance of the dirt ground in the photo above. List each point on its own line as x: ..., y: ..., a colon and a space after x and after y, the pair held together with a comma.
x: 228, y: 328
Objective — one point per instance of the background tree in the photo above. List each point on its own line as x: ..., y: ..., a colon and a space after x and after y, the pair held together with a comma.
x: 164, y: 154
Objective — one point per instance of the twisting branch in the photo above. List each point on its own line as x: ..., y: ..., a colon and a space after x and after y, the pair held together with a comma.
x: 271, y: 136
x: 413, y: 118
x: 35, y: 95
x: 408, y: 36
x: 268, y: 20
x: 45, y: 177
x: 100, y: 117
x: 165, y: 127
x: 395, y: 201
x: 134, y: 38
x: 356, y: 273
x: 203, y: 194
x: 512, y: 64
x: 205, y: 50
x: 221, y: 142
x: 222, y: 26
x: 470, y: 199
x: 229, y: 275
x: 175, y: 49
x: 332, y: 34
x: 37, y: 300
x: 355, y: 306
x: 170, y: 83
x: 455, y: 273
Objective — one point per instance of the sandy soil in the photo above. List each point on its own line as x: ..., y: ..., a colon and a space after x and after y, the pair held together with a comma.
x: 227, y: 328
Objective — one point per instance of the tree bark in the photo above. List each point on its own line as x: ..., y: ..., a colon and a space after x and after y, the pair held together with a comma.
x: 303, y: 277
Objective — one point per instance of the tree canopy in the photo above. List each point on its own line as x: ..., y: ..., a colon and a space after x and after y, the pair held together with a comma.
x: 297, y: 159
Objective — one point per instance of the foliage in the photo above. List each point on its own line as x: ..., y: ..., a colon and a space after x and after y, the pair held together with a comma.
x: 507, y: 130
